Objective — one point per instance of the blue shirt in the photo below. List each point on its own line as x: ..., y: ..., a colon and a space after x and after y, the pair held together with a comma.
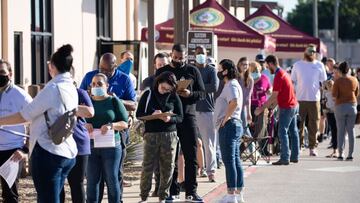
x: 81, y: 135
x: 119, y: 84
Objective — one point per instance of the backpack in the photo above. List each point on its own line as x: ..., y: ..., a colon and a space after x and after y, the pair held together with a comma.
x: 63, y: 127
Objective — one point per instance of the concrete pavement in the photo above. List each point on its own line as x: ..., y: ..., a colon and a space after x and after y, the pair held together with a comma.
x: 313, y: 179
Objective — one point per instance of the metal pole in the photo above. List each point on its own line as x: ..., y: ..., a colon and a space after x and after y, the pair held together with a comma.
x: 336, y: 29
x: 315, y: 18
x: 186, y: 26
x: 151, y: 35
x: 247, y: 5
x: 196, y: 3
x: 178, y: 21
x: 226, y: 4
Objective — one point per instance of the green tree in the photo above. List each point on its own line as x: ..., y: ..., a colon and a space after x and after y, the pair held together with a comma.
x: 349, y: 17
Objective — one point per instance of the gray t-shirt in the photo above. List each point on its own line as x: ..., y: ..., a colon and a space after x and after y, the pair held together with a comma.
x: 247, y: 91
x: 231, y: 90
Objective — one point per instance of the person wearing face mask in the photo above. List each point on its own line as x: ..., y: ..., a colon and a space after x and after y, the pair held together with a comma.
x: 227, y: 120
x: 120, y: 85
x: 160, y: 137
x: 50, y: 163
x: 127, y: 65
x: 205, y: 111
x: 110, y: 114
x: 12, y: 99
x: 187, y: 130
x: 262, y: 88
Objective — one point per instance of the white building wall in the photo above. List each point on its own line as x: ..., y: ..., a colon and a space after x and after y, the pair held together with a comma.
x: 19, y: 20
x: 74, y: 22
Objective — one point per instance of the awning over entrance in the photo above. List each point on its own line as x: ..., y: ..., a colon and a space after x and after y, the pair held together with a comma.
x: 288, y: 38
x: 211, y: 16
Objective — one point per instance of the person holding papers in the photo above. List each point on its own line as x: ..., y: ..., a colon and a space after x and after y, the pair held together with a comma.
x: 12, y: 100
x: 110, y: 118
x: 160, y: 137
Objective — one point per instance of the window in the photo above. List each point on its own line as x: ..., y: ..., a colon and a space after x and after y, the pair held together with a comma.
x: 103, y: 22
x: 18, y: 58
x: 41, y: 39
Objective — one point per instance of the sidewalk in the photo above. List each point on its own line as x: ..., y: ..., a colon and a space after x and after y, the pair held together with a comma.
x: 209, y: 191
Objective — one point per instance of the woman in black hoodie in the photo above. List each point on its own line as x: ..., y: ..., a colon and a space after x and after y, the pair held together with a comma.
x: 160, y: 138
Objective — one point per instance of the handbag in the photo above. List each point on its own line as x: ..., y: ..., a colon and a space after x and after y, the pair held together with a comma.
x: 63, y: 127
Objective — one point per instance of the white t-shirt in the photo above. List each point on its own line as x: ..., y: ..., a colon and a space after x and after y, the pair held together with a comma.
x: 307, y: 77
x: 232, y: 90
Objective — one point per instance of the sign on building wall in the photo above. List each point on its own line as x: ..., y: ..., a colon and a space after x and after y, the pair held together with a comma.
x: 200, y: 38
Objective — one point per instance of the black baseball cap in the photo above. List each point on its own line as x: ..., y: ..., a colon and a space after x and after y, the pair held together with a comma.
x: 260, y: 58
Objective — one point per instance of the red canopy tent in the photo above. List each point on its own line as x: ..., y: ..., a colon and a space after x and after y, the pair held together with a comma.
x: 290, y: 41
x: 211, y: 16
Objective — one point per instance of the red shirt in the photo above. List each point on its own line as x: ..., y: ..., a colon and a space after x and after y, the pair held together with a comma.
x: 283, y: 85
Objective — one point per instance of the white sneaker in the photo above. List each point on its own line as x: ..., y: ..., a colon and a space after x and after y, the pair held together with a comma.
x: 229, y: 199
x: 240, y: 197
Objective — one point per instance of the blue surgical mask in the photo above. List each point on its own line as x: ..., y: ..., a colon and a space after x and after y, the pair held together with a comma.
x: 201, y: 58
x: 97, y: 91
x: 255, y: 75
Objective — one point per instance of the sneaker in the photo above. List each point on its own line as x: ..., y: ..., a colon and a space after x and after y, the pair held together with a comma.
x: 194, y: 198
x: 126, y: 183
x: 280, y: 162
x: 320, y: 138
x: 240, y: 198
x: 349, y: 158
x: 203, y: 174
x: 313, y: 152
x: 294, y: 160
x: 229, y: 199
x: 340, y: 158
x: 172, y: 198
x: 212, y: 178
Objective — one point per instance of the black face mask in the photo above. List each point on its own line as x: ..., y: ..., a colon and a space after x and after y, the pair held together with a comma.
x: 220, y: 75
x: 4, y: 80
x: 177, y: 64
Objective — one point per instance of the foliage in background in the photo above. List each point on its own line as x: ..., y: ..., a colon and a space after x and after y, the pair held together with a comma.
x: 134, y: 150
x: 349, y: 17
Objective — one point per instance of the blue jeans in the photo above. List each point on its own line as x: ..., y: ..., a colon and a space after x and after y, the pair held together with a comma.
x: 106, y: 162
x: 288, y: 131
x: 49, y: 172
x: 345, y: 115
x: 229, y: 140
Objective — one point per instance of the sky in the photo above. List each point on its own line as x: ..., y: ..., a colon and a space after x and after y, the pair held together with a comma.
x: 288, y: 5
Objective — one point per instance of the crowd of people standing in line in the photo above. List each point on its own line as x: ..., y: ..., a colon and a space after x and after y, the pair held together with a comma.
x: 216, y: 108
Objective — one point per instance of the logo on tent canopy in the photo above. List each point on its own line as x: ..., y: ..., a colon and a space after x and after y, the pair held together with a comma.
x: 264, y: 24
x: 207, y: 17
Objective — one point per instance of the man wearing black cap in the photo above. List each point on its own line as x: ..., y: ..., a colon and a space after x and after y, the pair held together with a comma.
x: 260, y: 58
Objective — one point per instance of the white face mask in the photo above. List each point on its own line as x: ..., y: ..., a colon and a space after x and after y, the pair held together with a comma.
x: 97, y: 91
x: 201, y: 59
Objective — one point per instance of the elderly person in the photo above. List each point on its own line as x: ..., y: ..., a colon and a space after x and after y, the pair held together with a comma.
x: 345, y: 91
x: 227, y: 119
x: 50, y: 163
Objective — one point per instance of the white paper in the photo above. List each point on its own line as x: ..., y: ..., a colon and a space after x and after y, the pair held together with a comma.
x: 103, y: 140
x: 9, y: 171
